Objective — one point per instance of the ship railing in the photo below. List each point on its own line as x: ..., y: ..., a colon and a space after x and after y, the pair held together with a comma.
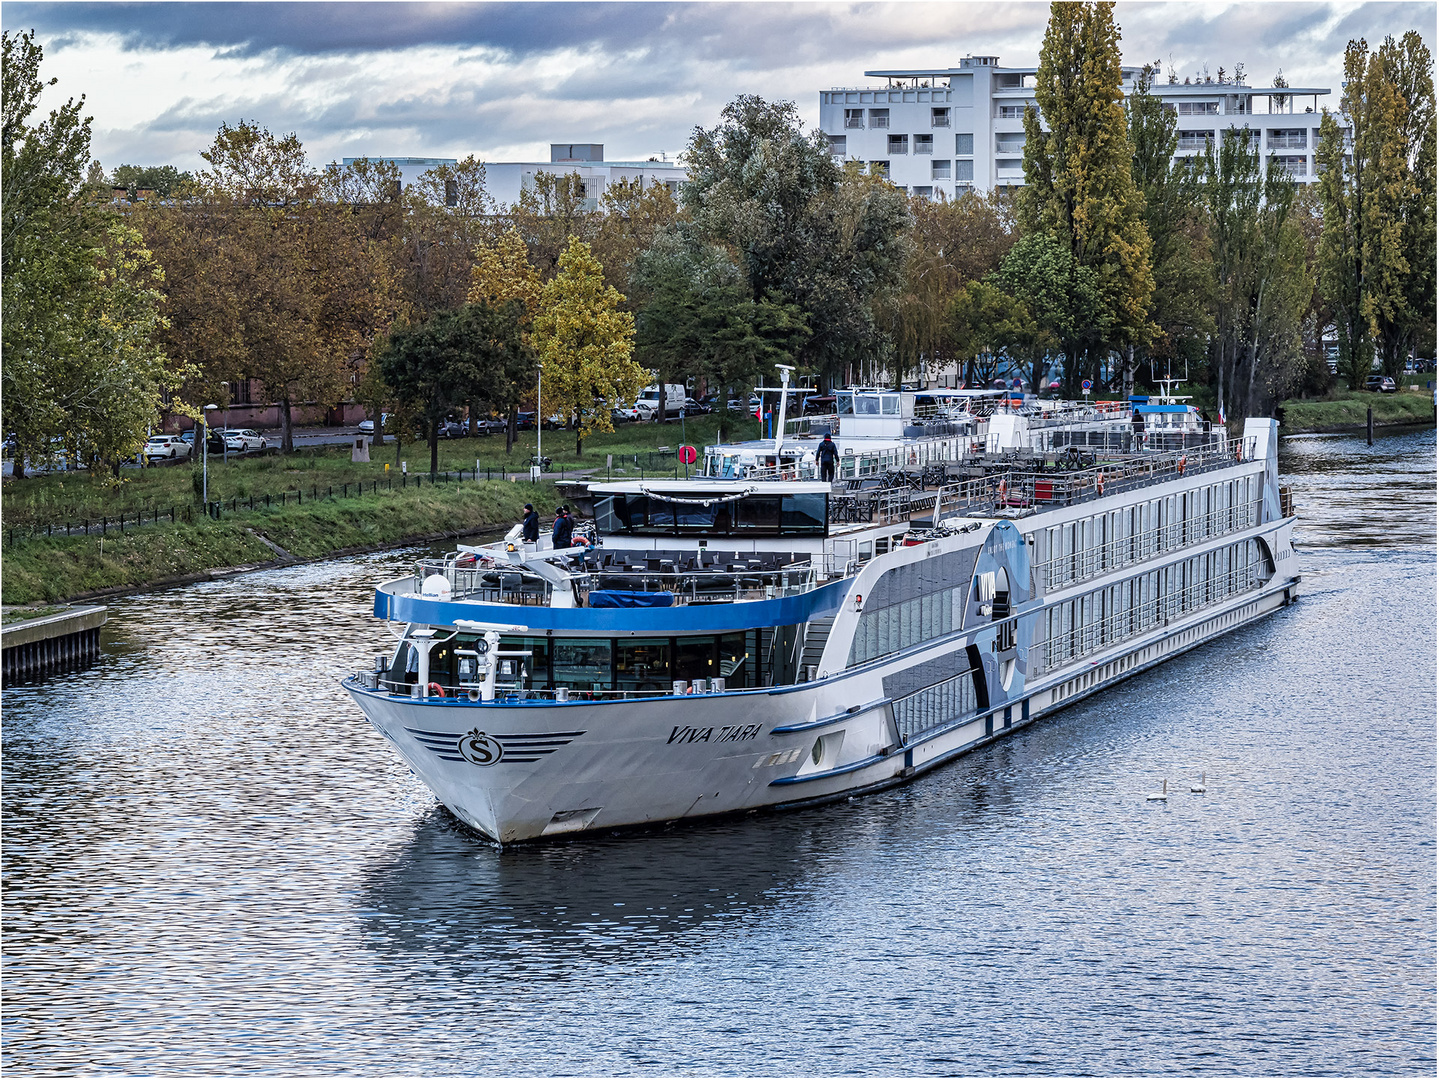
x: 512, y: 694
x: 498, y: 584
x: 732, y: 582
x: 1125, y: 551
x: 1071, y: 645
x: 1082, y: 475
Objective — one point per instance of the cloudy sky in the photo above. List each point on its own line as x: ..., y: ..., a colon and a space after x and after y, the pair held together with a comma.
x: 503, y: 81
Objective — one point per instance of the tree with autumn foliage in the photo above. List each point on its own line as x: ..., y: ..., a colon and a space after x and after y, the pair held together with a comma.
x: 585, y: 343
x: 1079, y: 187
x: 502, y: 274
x: 83, y: 360
x: 1377, y: 188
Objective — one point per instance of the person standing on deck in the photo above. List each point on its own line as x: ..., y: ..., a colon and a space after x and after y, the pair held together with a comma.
x: 531, y: 534
x: 828, y: 456
x: 564, y: 527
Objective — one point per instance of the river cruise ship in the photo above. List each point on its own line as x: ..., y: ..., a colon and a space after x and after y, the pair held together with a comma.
x: 758, y: 636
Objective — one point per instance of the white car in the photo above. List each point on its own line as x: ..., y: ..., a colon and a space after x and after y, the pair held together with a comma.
x: 367, y: 426
x: 637, y: 413
x: 165, y: 446
x: 244, y: 440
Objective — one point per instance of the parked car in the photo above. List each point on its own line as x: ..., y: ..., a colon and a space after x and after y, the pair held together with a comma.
x: 1381, y: 384
x: 243, y: 440
x: 161, y: 447
x: 188, y: 437
x: 490, y: 426
x: 635, y: 413
x: 525, y: 421
x: 452, y: 429
x: 367, y: 426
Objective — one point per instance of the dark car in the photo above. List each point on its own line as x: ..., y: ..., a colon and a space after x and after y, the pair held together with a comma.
x: 452, y: 429
x: 1381, y: 384
x: 525, y: 421
x: 490, y: 426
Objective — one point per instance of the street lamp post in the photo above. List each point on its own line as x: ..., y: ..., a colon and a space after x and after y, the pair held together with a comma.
x: 225, y: 454
x: 539, y: 412
x: 205, y: 458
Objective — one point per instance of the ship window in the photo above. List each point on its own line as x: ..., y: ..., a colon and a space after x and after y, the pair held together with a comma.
x: 582, y: 663
x: 866, y: 405
x: 642, y: 664
x: 843, y: 402
x: 890, y: 404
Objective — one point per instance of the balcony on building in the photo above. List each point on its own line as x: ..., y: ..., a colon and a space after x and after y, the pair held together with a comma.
x: 924, y: 144
x: 939, y: 118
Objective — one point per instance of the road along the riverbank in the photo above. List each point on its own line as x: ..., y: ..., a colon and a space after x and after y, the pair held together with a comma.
x: 66, y: 568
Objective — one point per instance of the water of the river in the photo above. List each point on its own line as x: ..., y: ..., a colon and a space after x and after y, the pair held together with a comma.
x: 212, y: 864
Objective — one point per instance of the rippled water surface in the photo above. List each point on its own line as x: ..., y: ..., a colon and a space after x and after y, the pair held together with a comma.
x: 212, y: 864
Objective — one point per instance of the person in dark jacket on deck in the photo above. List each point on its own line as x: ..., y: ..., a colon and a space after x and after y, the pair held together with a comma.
x: 827, y: 454
x: 564, y: 527
x: 531, y: 535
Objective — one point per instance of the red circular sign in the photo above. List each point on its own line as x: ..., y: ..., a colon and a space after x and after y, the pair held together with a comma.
x: 688, y: 455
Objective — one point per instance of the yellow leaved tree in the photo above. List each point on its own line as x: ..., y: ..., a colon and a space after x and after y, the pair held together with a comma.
x: 585, y: 342
x: 502, y: 274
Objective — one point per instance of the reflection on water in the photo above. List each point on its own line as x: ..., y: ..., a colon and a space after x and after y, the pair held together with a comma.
x: 1353, y: 495
x: 212, y: 864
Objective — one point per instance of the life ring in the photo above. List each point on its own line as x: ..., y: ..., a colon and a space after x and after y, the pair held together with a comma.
x: 1238, y: 450
x: 1183, y: 461
x: 1003, y: 489
x: 436, y: 690
x: 1099, y: 483
x: 912, y: 458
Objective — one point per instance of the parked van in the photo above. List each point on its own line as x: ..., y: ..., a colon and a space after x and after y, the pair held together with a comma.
x: 674, y: 400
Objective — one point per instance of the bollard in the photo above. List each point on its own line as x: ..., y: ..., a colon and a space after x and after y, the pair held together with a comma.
x: 1369, y: 424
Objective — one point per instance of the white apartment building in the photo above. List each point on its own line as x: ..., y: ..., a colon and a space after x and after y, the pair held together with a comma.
x: 936, y: 131
x: 504, y: 180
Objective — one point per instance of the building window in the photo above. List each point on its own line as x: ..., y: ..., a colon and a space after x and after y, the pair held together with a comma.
x: 881, y: 168
x: 939, y: 118
x: 964, y: 145
x: 926, y: 192
x: 898, y: 144
x: 879, y: 118
x: 1195, y: 140
x: 1005, y: 165
x: 1288, y: 139
x: 1009, y: 144
x: 837, y: 145
x: 1012, y: 112
x: 854, y: 118
x: 924, y: 144
x: 939, y: 170
x: 964, y: 171
x: 1294, y: 166
x: 1199, y: 108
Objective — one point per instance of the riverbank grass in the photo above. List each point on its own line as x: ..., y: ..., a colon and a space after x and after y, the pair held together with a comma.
x: 52, y: 569
x: 1348, y: 409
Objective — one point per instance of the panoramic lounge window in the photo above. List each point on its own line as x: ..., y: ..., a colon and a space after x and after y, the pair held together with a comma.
x: 753, y: 515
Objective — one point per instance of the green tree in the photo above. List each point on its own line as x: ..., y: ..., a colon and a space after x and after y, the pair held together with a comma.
x: 1058, y: 299
x: 502, y: 274
x: 584, y: 342
x: 827, y: 240
x: 80, y: 303
x: 163, y: 180
x: 448, y: 359
x: 1079, y: 187
x: 1261, y: 282
x: 984, y: 320
x: 1367, y: 188
x: 1173, y: 217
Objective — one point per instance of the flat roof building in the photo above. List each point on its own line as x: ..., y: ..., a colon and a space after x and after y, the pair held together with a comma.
x: 504, y: 180
x: 936, y: 131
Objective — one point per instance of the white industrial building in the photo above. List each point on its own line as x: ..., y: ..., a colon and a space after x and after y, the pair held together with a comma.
x: 504, y: 180
x: 936, y: 131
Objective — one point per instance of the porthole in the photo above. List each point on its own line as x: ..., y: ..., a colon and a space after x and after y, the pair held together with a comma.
x: 816, y: 754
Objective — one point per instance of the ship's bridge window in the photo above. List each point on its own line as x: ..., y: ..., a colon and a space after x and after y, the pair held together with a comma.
x: 866, y: 404
x: 844, y: 402
x: 889, y: 404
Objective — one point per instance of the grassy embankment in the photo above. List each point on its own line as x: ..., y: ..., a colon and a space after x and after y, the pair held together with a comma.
x: 1347, y: 409
x: 58, y: 568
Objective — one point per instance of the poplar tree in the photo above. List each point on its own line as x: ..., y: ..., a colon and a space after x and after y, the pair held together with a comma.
x: 1079, y: 187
